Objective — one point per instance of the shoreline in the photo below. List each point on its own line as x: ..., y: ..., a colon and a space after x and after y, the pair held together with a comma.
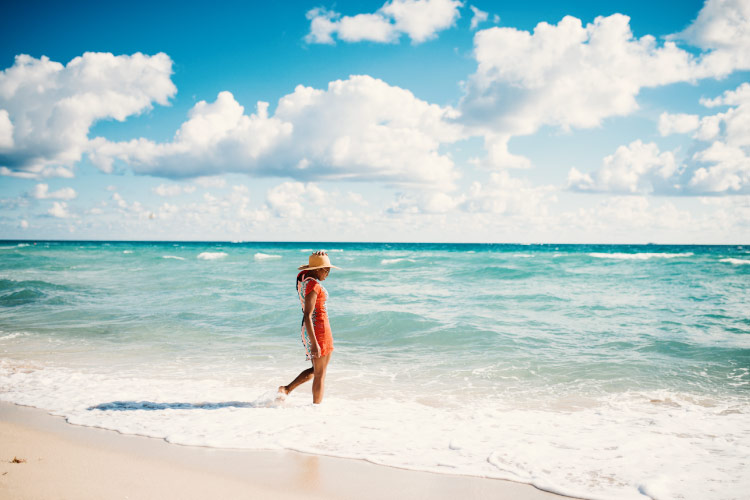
x: 71, y: 461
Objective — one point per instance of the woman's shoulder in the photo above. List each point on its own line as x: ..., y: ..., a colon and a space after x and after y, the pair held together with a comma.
x: 310, y: 284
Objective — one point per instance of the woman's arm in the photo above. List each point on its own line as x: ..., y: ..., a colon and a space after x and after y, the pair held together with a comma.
x: 310, y: 299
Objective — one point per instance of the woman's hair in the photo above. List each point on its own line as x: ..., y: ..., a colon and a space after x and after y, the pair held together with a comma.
x: 300, y: 276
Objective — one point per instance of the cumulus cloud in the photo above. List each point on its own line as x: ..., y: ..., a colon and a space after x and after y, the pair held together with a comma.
x: 41, y: 192
x: 722, y: 167
x: 172, y: 189
x: 289, y: 198
x: 628, y: 216
x: 59, y: 209
x: 737, y: 97
x: 501, y: 194
x: 211, y: 182
x: 420, y: 20
x: 47, y: 108
x: 477, y: 18
x: 498, y: 155
x: 722, y: 28
x: 719, y: 163
x: 6, y: 130
x: 135, y: 208
x: 679, y: 123
x: 566, y: 75
x: 727, y: 170
x: 359, y: 129
x: 424, y: 203
x: 573, y: 76
x: 636, y: 168
x: 504, y: 194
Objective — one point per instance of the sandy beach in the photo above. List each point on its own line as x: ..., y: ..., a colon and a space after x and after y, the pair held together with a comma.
x: 60, y: 460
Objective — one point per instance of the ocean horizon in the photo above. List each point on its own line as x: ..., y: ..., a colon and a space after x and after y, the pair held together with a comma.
x: 590, y: 370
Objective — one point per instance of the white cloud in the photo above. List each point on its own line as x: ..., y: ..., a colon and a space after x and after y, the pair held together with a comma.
x: 41, y: 192
x: 627, y: 217
x: 24, y: 224
x: 732, y: 213
x: 59, y: 209
x: 636, y: 168
x: 679, y: 123
x: 356, y: 198
x: 6, y: 131
x: 740, y: 95
x: 211, y: 182
x: 134, y: 209
x: 51, y: 107
x: 565, y: 75
x: 723, y: 29
x: 574, y: 76
x: 507, y: 195
x: 173, y: 189
x: 420, y: 20
x: 723, y: 167
x: 358, y: 129
x: 728, y: 171
x: 289, y: 199
x: 498, y: 154
x: 500, y: 195
x: 478, y: 17
x: 430, y: 202
x: 720, y: 168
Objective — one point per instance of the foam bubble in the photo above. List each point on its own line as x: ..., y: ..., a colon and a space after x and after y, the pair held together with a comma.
x: 212, y: 255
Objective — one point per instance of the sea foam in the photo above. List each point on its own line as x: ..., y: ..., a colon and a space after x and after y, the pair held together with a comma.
x: 639, y: 256
x: 212, y: 255
x: 737, y: 262
x: 265, y: 256
x: 386, y: 262
x: 644, y: 447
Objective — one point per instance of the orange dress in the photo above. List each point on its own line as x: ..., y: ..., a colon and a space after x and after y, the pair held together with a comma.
x: 322, y: 327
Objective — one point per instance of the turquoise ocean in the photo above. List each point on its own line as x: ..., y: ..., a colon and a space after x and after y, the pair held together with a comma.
x: 598, y: 371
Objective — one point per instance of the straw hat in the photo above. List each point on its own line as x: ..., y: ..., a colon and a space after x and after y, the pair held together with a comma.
x: 316, y: 261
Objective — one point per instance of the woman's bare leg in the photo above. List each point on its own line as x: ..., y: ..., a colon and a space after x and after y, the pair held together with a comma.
x: 303, y: 377
x: 319, y: 372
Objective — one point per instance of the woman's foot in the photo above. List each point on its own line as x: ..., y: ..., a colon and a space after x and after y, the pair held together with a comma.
x: 283, y: 391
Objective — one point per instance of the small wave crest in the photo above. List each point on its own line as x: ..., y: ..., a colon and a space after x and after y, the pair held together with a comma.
x: 173, y: 257
x: 265, y: 256
x: 736, y: 262
x: 639, y: 256
x: 495, y: 272
x: 21, y: 297
x: 386, y: 262
x: 11, y: 336
x: 212, y: 255
x: 127, y: 251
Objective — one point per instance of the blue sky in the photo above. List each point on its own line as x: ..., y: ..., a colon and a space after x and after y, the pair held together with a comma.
x: 409, y: 120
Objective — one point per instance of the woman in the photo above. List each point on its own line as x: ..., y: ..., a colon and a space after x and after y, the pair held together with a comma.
x: 316, y: 331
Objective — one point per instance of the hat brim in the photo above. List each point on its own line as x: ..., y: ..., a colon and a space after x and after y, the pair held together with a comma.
x: 308, y: 268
